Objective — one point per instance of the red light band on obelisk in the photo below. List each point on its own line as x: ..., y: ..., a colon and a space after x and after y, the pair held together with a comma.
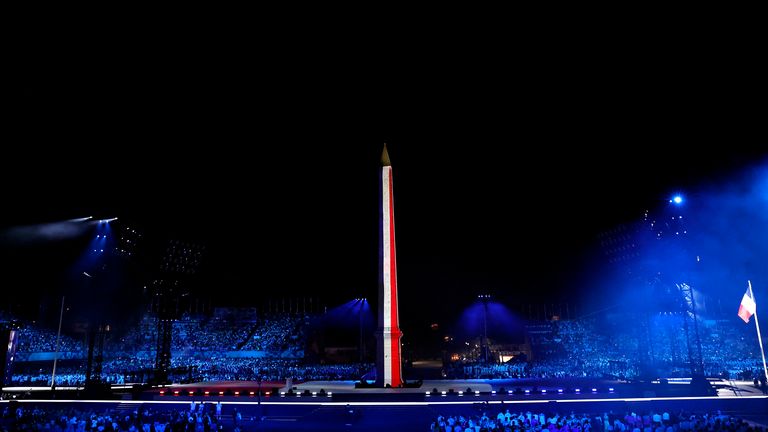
x: 388, y: 361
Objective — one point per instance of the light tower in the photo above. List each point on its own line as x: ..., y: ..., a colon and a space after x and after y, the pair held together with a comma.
x: 484, y: 338
x: 388, y: 334
x: 690, y: 320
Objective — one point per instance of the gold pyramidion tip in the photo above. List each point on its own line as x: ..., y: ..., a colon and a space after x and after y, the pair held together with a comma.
x: 385, y: 157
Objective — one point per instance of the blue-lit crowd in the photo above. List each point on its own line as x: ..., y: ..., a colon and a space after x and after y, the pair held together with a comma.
x: 272, y: 348
x: 216, y: 348
x: 590, y: 348
x: 208, y: 417
x: 652, y: 421
x: 199, y: 417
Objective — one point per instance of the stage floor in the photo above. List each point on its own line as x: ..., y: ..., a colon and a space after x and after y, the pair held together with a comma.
x: 344, y: 407
x: 533, y: 388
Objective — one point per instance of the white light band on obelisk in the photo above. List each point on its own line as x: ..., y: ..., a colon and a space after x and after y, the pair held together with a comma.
x: 388, y: 357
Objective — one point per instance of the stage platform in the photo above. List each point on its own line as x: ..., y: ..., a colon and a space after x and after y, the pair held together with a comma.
x: 429, y: 385
x: 338, y: 405
x: 487, y: 389
x: 548, y: 388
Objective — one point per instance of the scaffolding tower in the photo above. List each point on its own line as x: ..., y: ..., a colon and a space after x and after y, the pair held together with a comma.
x: 691, y: 327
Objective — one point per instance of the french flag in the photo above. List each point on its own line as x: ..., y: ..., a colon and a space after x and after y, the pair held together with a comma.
x: 748, y: 306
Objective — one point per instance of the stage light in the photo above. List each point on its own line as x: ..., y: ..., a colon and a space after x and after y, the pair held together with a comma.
x: 577, y: 390
x: 559, y: 390
x: 543, y: 391
x: 610, y: 389
x: 83, y: 219
x: 677, y: 199
x: 527, y: 391
x: 594, y: 390
x: 509, y: 392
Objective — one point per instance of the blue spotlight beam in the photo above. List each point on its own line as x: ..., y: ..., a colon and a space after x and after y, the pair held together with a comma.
x: 99, y: 246
x: 51, y: 231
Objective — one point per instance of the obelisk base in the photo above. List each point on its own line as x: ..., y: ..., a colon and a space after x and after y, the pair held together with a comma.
x: 389, y: 363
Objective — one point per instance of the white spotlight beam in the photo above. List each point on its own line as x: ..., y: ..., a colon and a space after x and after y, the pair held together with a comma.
x: 83, y: 219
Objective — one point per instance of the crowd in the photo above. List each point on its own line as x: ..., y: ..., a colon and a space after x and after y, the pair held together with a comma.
x: 271, y: 347
x: 593, y: 348
x: 211, y: 369
x: 654, y: 421
x: 199, y: 417
x: 33, y: 339
x: 203, y: 416
x: 279, y: 335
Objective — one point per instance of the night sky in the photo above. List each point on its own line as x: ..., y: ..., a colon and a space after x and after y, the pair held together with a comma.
x: 492, y: 194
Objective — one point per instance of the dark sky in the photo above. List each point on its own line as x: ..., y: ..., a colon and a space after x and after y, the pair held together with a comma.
x: 497, y: 189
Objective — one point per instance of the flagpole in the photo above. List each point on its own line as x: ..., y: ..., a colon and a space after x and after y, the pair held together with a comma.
x: 757, y: 326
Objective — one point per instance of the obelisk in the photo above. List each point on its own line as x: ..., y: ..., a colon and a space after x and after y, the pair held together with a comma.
x: 388, y: 361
